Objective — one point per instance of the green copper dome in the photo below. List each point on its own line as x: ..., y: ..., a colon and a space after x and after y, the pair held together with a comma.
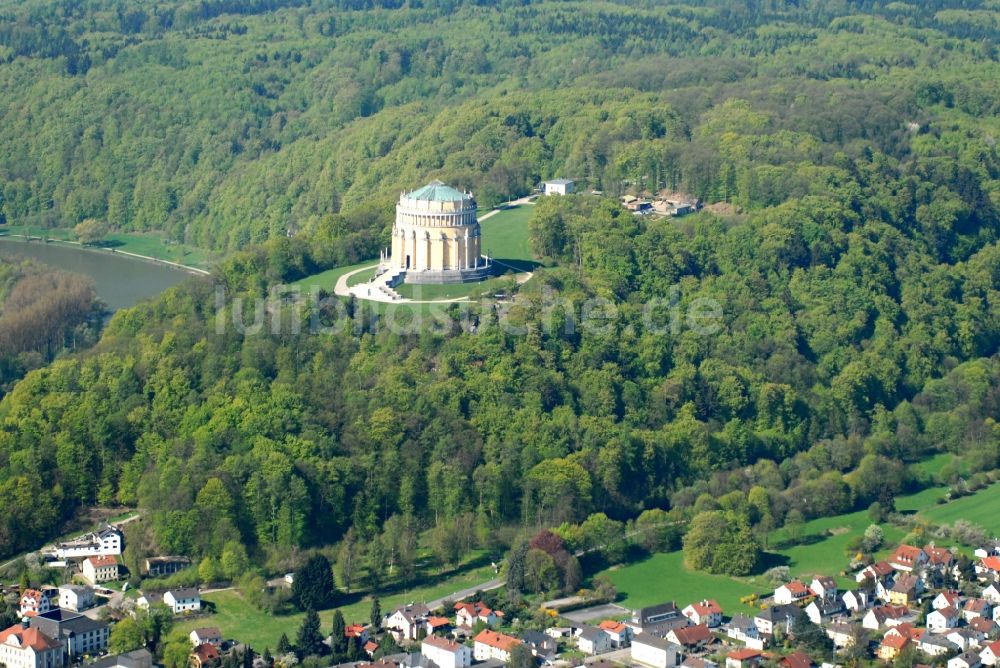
x: 436, y: 191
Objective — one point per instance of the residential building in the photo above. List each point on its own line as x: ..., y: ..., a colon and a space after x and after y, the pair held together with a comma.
x: 436, y: 624
x: 990, y: 549
x: 100, y: 568
x: 467, y: 614
x: 542, y: 646
x: 965, y: 660
x: 706, y: 612
x: 947, y: 599
x: 34, y: 602
x: 792, y: 592
x: 744, y: 658
x: 908, y: 558
x: 841, y: 633
x: 158, y: 567
x: 559, y: 187
x: 990, y: 655
x: 965, y: 637
x: 489, y: 644
x: 992, y: 593
x: 619, y: 632
x: 984, y: 626
x: 745, y: 630
x: 205, y: 655
x: 976, y: 607
x: 877, y: 571
x: 106, y: 541
x: 24, y: 646
x: 406, y: 621
x: 943, y: 619
x: 75, y: 597
x: 698, y: 662
x: 592, y: 640
x: 824, y: 587
x: 892, y: 645
x: 657, y: 619
x: 939, y: 558
x: 988, y: 569
x: 856, y: 600
x: 886, y: 615
x: 797, y: 659
x: 182, y: 600
x: 78, y: 634
x: 819, y: 611
x: 358, y: 631
x: 905, y: 590
x: 691, y: 637
x: 936, y: 645
x: 445, y: 653
x: 206, y: 634
x: 777, y: 617
x: 654, y: 651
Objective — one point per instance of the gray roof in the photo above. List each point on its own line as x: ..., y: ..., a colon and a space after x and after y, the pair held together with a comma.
x: 184, y: 592
x: 649, y: 640
x: 61, y: 621
x: 741, y: 621
x: 591, y: 633
x: 779, y: 613
x: 561, y: 182
x: 136, y: 659
x: 643, y: 615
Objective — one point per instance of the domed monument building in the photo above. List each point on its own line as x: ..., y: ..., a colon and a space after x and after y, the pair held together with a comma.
x: 436, y: 237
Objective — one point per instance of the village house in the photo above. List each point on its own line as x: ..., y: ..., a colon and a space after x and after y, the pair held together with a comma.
x: 856, y: 600
x: 492, y: 645
x: 989, y: 549
x: 706, y: 612
x: 97, y: 569
x: 886, y: 615
x: 992, y: 593
x: 908, y: 558
x: 436, y: 624
x: 559, y: 187
x: 78, y: 634
x: 947, y: 599
x: 691, y: 638
x: 654, y: 651
x: 406, y: 621
x: 106, y: 541
x: 892, y: 645
x: 824, y: 587
x: 988, y: 569
x: 206, y: 634
x: 792, y: 592
x: 35, y: 602
x: 657, y: 619
x: 205, y: 655
x: 182, y: 600
x: 698, y: 662
x: 965, y: 637
x: 22, y: 646
x: 745, y: 630
x: 936, y: 645
x: 467, y: 614
x: 75, y: 597
x: 905, y: 590
x: 797, y: 659
x: 965, y: 660
x: 819, y: 611
x: 542, y: 646
x: 592, y: 640
x: 841, y: 633
x: 744, y: 658
x: 140, y: 658
x: 984, y: 626
x: 990, y: 656
x: 777, y: 617
x: 976, y: 607
x: 877, y: 571
x: 619, y: 632
x: 445, y: 653
x: 939, y: 558
x: 940, y: 620
x: 357, y: 631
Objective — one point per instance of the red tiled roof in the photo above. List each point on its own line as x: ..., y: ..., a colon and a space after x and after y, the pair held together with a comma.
x: 895, y: 641
x: 612, y: 626
x: 744, y: 654
x: 499, y: 640
x: 707, y: 607
x: 354, y: 630
x: 938, y: 555
x: 205, y: 653
x: 28, y: 637
x: 102, y: 561
x: 371, y: 646
x: 797, y: 660
x: 796, y: 587
x: 692, y: 635
x: 975, y: 605
x: 438, y: 622
x: 992, y: 563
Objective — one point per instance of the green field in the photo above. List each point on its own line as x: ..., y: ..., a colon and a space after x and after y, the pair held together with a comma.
x: 240, y: 620
x: 326, y: 280
x: 505, y: 234
x: 982, y: 508
x: 663, y: 577
x: 362, y: 276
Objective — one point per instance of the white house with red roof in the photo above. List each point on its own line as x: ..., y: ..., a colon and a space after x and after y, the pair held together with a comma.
x: 445, y: 653
x: 792, y: 592
x: 947, y: 599
x: 943, y: 619
x: 467, y: 614
x: 992, y: 593
x: 990, y: 655
x: 908, y: 558
x: 98, y: 569
x: 619, y: 632
x: 492, y: 645
x: 988, y: 569
x: 877, y: 571
x: 34, y: 602
x: 22, y: 646
x: 706, y: 612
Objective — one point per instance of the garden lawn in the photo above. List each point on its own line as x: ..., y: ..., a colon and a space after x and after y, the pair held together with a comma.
x: 327, y: 280
x: 455, y: 290
x: 663, y: 577
x: 505, y: 235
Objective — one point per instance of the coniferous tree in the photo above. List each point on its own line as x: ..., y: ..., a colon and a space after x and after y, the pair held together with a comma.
x: 338, y: 637
x: 309, y: 640
x: 375, y: 616
x: 284, y: 646
x: 312, y: 586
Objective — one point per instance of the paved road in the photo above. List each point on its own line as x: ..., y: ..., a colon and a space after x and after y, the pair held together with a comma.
x: 465, y: 593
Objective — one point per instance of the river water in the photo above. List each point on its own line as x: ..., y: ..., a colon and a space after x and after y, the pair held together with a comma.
x: 120, y: 280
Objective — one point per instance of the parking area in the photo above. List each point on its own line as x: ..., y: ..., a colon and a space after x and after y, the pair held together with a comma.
x: 597, y: 612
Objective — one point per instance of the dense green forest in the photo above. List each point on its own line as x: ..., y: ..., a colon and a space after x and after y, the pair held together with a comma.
x: 856, y: 264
